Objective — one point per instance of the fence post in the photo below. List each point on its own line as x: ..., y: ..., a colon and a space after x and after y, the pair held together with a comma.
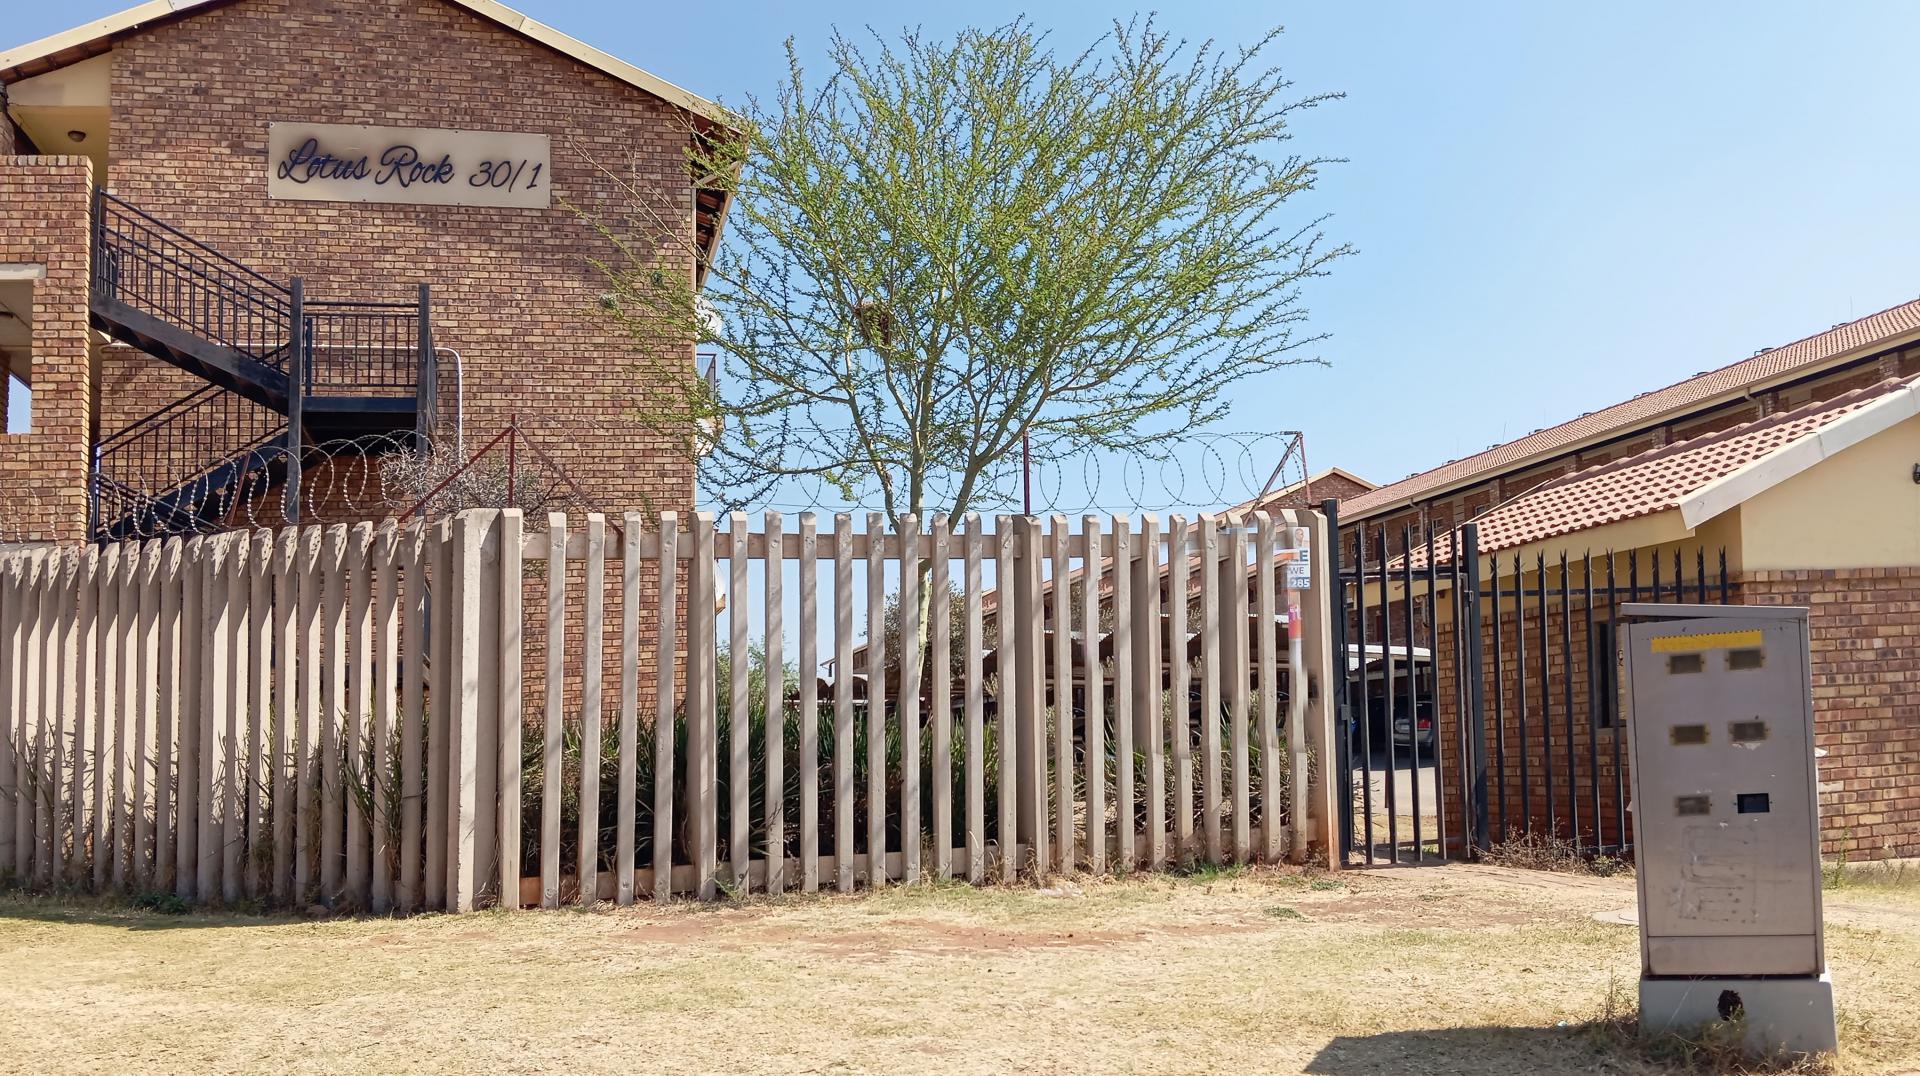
x: 474, y: 655
x: 702, y: 732
x: 1468, y: 581
x: 512, y: 533
x: 876, y: 667
x: 10, y: 709
x: 1029, y: 695
x: 1007, y: 620
x: 1343, y: 744
x: 1316, y: 615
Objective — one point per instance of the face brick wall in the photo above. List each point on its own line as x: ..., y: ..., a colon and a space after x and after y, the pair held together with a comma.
x: 513, y: 288
x: 1334, y: 487
x: 43, y: 473
x: 1865, y: 626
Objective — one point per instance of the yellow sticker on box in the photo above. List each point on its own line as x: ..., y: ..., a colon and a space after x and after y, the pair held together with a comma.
x: 1712, y: 640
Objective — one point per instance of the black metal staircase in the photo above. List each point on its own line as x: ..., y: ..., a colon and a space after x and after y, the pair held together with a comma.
x: 311, y: 374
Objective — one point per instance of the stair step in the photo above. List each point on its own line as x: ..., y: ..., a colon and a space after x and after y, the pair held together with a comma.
x: 221, y: 365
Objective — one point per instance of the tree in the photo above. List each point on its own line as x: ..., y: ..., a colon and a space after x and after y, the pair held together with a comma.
x: 947, y: 247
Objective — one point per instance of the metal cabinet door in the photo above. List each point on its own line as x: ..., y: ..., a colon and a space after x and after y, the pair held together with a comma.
x: 1724, y: 818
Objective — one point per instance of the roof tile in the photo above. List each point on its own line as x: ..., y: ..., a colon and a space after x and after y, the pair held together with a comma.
x: 1654, y: 481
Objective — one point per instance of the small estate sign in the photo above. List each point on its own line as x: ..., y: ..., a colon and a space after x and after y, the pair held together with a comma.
x: 329, y: 162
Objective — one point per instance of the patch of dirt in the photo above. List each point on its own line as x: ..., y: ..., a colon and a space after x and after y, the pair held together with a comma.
x: 697, y: 926
x: 1396, y: 910
x: 935, y: 937
x: 677, y: 933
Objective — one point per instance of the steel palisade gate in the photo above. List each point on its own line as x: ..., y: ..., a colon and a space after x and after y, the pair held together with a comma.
x: 460, y: 713
x: 1480, y: 696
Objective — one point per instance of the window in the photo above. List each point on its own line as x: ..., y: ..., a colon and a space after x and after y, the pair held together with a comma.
x: 16, y: 344
x: 18, y: 398
x: 1604, y: 676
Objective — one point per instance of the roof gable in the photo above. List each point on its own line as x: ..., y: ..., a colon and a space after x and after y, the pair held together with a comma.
x: 93, y: 38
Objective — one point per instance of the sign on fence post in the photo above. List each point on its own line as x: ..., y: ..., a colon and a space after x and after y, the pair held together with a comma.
x: 1317, y: 617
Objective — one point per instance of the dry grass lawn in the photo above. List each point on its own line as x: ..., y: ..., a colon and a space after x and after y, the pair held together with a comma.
x: 1437, y: 970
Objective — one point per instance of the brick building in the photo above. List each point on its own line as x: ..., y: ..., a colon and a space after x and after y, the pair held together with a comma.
x: 1800, y: 466
x: 368, y: 148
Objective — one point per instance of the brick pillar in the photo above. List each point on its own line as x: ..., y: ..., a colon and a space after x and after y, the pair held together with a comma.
x: 43, y: 223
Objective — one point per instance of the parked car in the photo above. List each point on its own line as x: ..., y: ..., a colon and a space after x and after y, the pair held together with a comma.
x: 1407, y: 715
x: 1404, y: 725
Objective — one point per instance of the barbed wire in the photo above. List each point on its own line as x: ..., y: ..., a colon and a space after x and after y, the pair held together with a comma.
x: 1208, y: 470
x: 376, y: 476
x: 345, y: 480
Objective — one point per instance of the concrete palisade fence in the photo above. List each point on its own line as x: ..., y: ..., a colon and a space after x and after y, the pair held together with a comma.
x: 419, y: 717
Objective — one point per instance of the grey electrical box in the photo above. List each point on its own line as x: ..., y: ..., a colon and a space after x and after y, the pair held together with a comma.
x: 1726, y: 821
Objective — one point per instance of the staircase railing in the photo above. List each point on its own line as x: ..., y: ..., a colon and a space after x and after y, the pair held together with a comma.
x: 141, y: 470
x: 161, y: 271
x: 192, y: 433
x: 235, y: 492
x: 376, y: 349
x: 362, y: 349
x: 329, y: 351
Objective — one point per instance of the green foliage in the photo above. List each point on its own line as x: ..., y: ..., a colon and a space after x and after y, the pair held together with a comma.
x: 945, y: 247
x: 160, y: 902
x: 1280, y: 778
x: 1210, y: 873
x: 1887, y: 875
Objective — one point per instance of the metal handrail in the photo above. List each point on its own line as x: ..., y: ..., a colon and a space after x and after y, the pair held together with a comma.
x: 369, y: 347
x: 189, y: 241
x: 145, y: 422
x: 352, y: 348
x: 156, y: 268
x: 204, y: 428
x: 121, y: 500
x: 358, y: 304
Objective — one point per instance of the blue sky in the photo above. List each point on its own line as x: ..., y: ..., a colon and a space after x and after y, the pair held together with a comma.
x: 1555, y: 207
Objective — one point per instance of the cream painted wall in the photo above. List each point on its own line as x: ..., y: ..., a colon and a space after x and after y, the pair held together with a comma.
x: 86, y: 84
x: 71, y: 98
x: 1857, y: 509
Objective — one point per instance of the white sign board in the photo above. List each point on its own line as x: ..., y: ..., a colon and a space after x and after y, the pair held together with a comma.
x: 1300, y: 570
x: 330, y: 162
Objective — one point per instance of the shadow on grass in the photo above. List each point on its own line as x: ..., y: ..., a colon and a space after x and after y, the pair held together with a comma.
x: 1608, y: 1044
x: 136, y: 912
x: 1470, y: 1050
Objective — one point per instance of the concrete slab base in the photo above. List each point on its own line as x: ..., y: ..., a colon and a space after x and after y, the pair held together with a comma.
x: 1790, y: 1015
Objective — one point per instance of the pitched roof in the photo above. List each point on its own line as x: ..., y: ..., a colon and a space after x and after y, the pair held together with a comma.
x: 1273, y: 498
x: 93, y: 38
x: 1872, y: 332
x: 1700, y: 477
